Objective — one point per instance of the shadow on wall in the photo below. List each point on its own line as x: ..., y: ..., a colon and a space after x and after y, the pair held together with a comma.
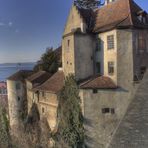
x: 33, y: 115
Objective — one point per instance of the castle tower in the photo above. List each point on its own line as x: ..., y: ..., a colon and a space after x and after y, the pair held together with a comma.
x: 77, y: 46
x: 16, y: 98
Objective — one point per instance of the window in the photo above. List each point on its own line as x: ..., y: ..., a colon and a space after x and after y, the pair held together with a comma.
x: 98, y: 45
x: 98, y: 67
x: 18, y: 86
x: 110, y: 42
x: 112, y: 110
x: 95, y: 91
x: 68, y: 43
x: 110, y: 68
x: 18, y: 98
x: 141, y: 42
x: 108, y: 110
x: 105, y: 110
x: 43, y: 110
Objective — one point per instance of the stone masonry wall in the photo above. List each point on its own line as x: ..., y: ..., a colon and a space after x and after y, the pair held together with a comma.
x: 48, y: 108
x: 100, y: 127
x: 16, y: 98
x: 140, y: 57
x: 104, y: 55
x: 84, y: 55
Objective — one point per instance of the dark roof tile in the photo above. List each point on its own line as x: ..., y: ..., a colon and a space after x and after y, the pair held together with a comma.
x: 20, y: 75
x: 118, y: 14
x: 101, y: 82
x: 53, y: 84
x: 38, y: 78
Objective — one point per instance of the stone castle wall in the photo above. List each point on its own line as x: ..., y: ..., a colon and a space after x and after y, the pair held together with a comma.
x: 104, y: 55
x: 84, y: 55
x: 48, y: 108
x: 100, y: 126
x: 16, y: 98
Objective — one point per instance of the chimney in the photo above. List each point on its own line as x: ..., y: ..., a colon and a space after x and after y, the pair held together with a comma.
x: 108, y: 1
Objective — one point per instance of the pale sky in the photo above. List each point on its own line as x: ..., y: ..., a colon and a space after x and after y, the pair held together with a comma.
x: 27, y: 27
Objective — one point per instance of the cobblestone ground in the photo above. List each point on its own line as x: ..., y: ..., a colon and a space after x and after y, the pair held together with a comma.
x: 133, y: 130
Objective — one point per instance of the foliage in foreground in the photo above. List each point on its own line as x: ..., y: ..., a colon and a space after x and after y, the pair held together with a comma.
x: 70, y: 129
x: 34, y: 133
x: 87, y: 4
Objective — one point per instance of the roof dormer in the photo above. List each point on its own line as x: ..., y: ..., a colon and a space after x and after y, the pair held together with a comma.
x: 108, y: 1
x: 142, y: 16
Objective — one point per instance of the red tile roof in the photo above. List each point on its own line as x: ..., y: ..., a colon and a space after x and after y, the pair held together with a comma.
x: 20, y: 75
x: 38, y: 78
x: 53, y: 84
x: 117, y: 14
x: 101, y: 82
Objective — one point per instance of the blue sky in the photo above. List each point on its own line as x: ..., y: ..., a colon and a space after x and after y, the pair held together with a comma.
x: 27, y: 27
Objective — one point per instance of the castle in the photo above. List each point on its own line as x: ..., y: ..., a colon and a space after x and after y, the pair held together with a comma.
x: 107, y: 51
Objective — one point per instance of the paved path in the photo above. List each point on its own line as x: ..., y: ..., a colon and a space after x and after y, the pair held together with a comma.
x: 133, y: 130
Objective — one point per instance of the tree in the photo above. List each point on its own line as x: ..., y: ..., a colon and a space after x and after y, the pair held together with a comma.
x: 70, y: 129
x: 87, y: 4
x: 49, y: 61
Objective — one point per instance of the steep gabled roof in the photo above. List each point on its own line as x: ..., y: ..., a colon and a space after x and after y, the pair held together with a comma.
x: 118, y: 14
x: 38, y: 78
x: 20, y: 75
x: 101, y: 82
x: 53, y: 84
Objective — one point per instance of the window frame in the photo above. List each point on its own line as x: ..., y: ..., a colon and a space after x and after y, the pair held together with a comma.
x: 141, y: 42
x: 95, y: 91
x: 98, y: 45
x: 98, y: 70
x: 110, y: 42
x: 111, y: 67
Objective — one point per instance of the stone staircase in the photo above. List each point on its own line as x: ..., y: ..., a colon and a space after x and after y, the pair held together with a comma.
x: 133, y: 129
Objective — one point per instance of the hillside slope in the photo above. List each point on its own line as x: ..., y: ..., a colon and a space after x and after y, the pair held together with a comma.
x: 133, y: 130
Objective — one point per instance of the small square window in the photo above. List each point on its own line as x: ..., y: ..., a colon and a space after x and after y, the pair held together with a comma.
x: 105, y: 110
x: 95, y: 91
x: 110, y: 42
x: 112, y: 110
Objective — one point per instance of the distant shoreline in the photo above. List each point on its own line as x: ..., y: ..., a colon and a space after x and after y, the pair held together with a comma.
x: 17, y: 63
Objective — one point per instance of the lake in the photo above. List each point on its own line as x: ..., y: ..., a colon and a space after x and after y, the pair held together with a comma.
x: 7, y: 70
